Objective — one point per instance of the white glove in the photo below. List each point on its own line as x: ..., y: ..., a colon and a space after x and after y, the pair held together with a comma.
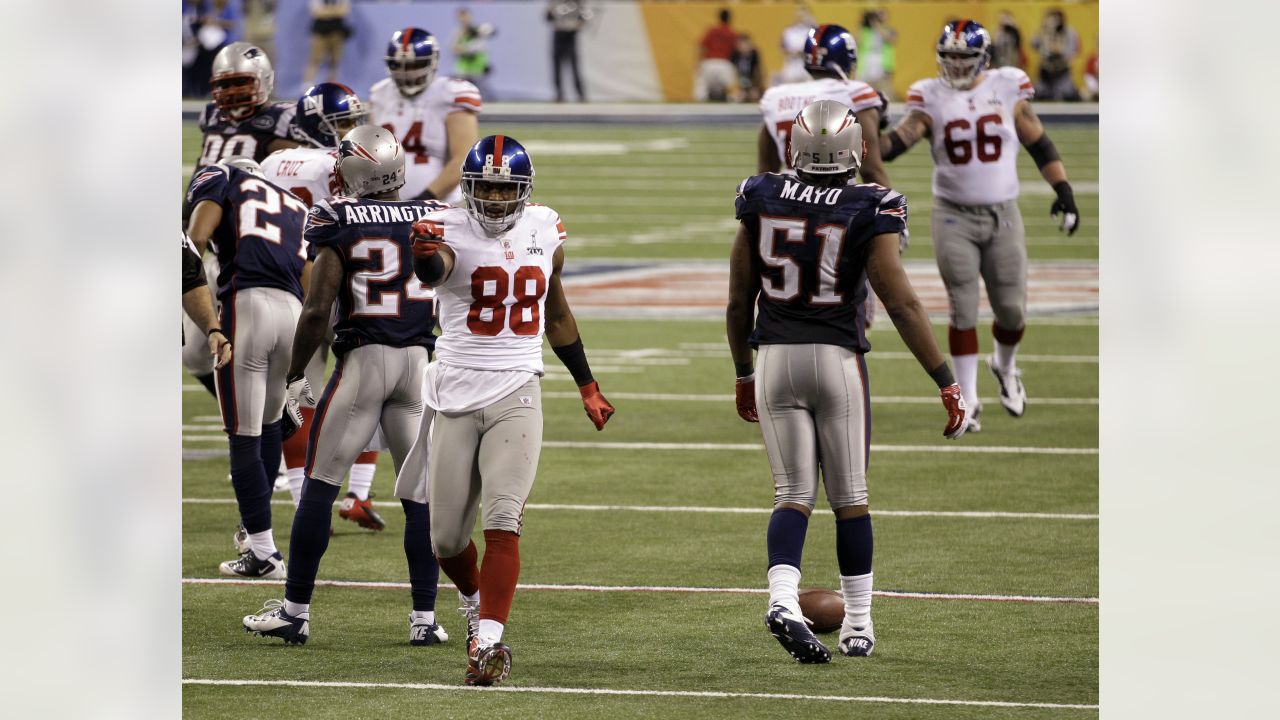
x: 297, y: 392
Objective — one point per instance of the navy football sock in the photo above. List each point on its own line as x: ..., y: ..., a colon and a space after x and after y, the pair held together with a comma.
x: 272, y: 447
x: 424, y: 571
x: 785, y: 539
x: 253, y: 494
x: 309, y: 539
x: 854, y: 545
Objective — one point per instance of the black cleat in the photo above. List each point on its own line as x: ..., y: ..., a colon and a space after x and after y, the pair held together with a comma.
x: 795, y: 636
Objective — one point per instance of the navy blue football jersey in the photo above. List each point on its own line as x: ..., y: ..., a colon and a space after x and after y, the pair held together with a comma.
x: 810, y: 246
x: 259, y: 241
x: 381, y: 301
x: 248, y: 138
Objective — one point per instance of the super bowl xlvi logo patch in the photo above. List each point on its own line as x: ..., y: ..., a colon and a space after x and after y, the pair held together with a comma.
x: 533, y: 248
x: 263, y: 122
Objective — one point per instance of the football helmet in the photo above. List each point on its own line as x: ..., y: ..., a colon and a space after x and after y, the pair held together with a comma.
x: 964, y: 50
x: 497, y: 160
x: 412, y: 59
x: 370, y: 161
x: 830, y: 48
x: 246, y: 164
x: 826, y: 139
x: 326, y: 112
x: 242, y: 79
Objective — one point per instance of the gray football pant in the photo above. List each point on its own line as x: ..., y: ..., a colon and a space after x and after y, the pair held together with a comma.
x: 371, y: 384
x: 195, y: 348
x: 815, y: 414
x: 988, y: 241
x: 251, y: 390
x: 487, y: 457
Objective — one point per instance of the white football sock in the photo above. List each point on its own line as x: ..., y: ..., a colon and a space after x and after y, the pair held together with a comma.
x: 784, y: 587
x: 298, y: 610
x: 1005, y: 355
x: 490, y: 632
x: 263, y: 544
x: 361, y: 479
x: 472, y: 599
x: 967, y: 376
x: 857, y: 600
x: 296, y: 477
x: 429, y: 616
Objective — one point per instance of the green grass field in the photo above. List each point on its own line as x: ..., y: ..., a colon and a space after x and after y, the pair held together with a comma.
x: 1007, y: 529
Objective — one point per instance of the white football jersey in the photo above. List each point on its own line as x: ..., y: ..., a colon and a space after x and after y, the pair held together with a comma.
x: 491, y: 308
x: 418, y: 123
x: 782, y: 103
x: 975, y: 145
x: 304, y: 171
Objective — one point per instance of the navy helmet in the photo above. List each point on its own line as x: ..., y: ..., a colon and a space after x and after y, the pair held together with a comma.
x: 326, y: 112
x: 412, y: 58
x: 830, y: 48
x: 964, y: 50
x: 497, y: 160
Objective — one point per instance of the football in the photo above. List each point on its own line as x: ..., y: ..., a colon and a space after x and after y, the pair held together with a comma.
x: 823, y: 608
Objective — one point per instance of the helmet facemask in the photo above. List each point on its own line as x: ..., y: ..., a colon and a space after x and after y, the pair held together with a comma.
x: 960, y: 68
x: 412, y: 74
x: 237, y: 94
x: 503, y: 201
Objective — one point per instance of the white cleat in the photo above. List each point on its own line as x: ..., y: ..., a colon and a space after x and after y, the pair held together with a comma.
x: 249, y: 566
x: 857, y: 642
x: 273, y: 621
x: 422, y: 632
x: 974, y: 419
x: 1012, y: 395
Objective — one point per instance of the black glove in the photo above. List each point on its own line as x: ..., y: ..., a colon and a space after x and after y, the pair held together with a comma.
x: 884, y: 111
x: 1065, y: 204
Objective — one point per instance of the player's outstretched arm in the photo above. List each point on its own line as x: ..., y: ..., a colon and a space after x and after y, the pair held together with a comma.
x: 744, y: 287
x: 562, y: 333
x: 326, y: 278
x: 766, y: 152
x: 890, y: 282
x: 198, y: 304
x: 872, y: 170
x: 1033, y: 137
x: 906, y: 133
x: 432, y: 259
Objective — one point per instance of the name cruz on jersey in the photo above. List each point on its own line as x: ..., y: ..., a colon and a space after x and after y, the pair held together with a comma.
x: 810, y: 246
x: 259, y: 241
x: 306, y: 172
x: 381, y: 301
x: 251, y: 137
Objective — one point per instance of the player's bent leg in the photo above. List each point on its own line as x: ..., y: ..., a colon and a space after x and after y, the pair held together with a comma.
x: 1004, y: 269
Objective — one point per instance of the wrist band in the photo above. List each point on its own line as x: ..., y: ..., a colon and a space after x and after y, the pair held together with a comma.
x: 214, y: 330
x: 942, y: 375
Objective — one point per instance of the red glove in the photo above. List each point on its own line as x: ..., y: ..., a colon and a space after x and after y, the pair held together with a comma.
x: 598, y: 409
x: 744, y: 393
x: 957, y: 413
x: 427, y: 237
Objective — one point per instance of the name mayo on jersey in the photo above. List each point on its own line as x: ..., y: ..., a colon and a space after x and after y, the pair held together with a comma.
x: 810, y: 246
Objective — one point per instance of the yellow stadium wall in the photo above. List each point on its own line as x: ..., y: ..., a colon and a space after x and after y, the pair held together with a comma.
x: 675, y: 28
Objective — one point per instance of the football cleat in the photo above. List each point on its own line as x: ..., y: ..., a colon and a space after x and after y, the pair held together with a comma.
x: 241, y: 540
x: 855, y: 642
x: 975, y: 418
x: 471, y: 612
x: 273, y: 621
x: 249, y: 566
x: 1012, y: 395
x: 793, y: 633
x: 361, y: 512
x: 487, y: 664
x: 422, y: 632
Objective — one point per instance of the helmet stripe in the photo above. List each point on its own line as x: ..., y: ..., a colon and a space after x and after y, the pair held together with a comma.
x: 497, y: 150
x: 406, y: 38
x: 817, y: 39
x: 960, y: 26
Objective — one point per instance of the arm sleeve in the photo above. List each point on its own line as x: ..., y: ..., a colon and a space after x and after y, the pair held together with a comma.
x: 464, y: 96
x: 192, y: 268
x: 915, y: 97
x: 211, y: 183
x: 285, y: 121
x: 321, y: 228
x: 891, y: 214
x: 1025, y: 90
x: 864, y: 97
x: 744, y: 205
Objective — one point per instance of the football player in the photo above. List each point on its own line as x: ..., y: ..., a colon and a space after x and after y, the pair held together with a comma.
x: 433, y: 117
x: 976, y: 118
x: 255, y: 229
x: 325, y: 113
x: 804, y: 249
x: 197, y: 302
x: 383, y: 341
x: 496, y: 268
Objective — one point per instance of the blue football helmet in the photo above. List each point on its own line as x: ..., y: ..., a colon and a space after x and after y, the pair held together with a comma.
x: 412, y: 58
x: 830, y: 48
x: 494, y: 162
x: 964, y: 50
x: 325, y: 113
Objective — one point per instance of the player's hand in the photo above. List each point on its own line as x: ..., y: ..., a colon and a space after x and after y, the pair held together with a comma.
x: 598, y: 408
x: 957, y: 412
x: 297, y: 392
x: 220, y: 348
x: 884, y: 111
x: 427, y: 237
x: 1065, y: 204
x: 744, y: 394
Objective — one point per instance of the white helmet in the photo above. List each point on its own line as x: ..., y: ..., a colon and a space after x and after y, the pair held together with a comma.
x: 826, y: 139
x: 370, y: 161
x: 242, y: 79
x: 246, y: 164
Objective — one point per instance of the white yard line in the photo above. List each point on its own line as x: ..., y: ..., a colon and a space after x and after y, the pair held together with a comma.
x: 376, y: 585
x: 879, y: 399
x: 970, y: 514
x: 628, y: 693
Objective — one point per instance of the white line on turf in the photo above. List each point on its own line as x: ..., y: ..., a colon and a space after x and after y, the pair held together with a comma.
x: 665, y: 589
x: 629, y: 693
x: 971, y: 514
x: 878, y: 399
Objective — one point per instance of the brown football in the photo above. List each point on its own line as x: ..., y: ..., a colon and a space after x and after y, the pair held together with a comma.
x: 823, y: 607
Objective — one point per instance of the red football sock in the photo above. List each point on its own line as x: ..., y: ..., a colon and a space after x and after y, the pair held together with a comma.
x: 462, y: 570
x: 963, y: 342
x: 295, y: 448
x: 499, y: 574
x: 368, y: 457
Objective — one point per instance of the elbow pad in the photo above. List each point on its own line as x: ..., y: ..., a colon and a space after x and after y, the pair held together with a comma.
x: 896, y: 146
x: 1043, y: 151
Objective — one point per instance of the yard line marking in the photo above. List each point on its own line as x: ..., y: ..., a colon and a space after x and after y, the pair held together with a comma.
x: 974, y: 514
x: 881, y: 399
x: 629, y: 693
x: 380, y: 585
